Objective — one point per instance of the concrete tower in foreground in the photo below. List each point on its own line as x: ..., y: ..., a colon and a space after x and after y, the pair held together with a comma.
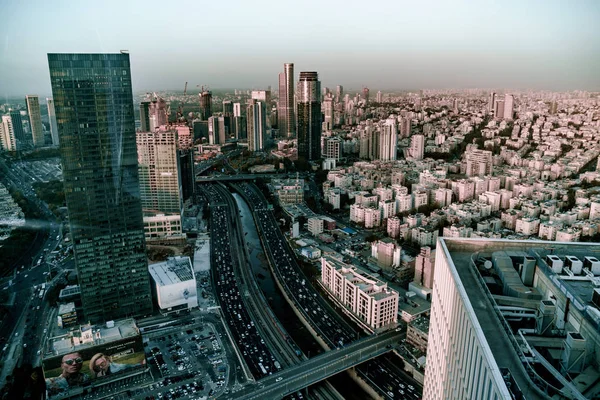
x: 286, y: 115
x: 309, y: 116
x: 94, y: 110
x: 35, y: 119
x: 513, y: 319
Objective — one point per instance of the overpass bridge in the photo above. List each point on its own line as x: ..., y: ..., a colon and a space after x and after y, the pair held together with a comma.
x: 239, y: 177
x: 318, y: 368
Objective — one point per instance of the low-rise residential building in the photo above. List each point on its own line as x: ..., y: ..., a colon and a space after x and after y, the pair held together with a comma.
x: 417, y: 333
x: 370, y: 301
x: 315, y: 225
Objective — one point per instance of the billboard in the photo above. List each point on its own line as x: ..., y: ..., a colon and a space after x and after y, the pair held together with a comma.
x: 81, y: 367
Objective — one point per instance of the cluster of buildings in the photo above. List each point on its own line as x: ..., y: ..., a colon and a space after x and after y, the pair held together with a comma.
x: 24, y: 130
x: 522, y: 177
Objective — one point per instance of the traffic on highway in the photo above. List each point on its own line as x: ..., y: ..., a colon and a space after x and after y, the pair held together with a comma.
x: 255, y: 352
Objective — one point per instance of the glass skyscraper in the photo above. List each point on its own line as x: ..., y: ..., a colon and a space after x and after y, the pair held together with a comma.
x: 94, y: 111
x: 309, y: 116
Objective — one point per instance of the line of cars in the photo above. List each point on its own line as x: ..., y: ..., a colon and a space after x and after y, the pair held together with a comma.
x: 228, y: 288
x: 306, y: 298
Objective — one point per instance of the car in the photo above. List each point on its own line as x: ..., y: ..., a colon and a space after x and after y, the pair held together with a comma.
x: 279, y: 379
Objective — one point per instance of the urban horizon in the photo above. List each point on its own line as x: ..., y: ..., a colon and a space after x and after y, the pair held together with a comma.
x: 322, y: 237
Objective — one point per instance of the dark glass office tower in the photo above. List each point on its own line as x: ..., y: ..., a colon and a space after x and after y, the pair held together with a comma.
x: 145, y: 116
x: 205, y: 104
x: 309, y: 116
x: 21, y: 139
x: 286, y: 117
x: 94, y: 111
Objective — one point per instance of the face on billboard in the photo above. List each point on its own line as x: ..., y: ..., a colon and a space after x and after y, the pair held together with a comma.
x: 81, y: 368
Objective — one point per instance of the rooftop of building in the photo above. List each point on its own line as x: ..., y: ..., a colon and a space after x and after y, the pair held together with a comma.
x: 464, y: 255
x: 66, y: 308
x: 67, y: 341
x: 70, y: 290
x: 174, y: 270
x: 364, y: 280
x: 421, y: 324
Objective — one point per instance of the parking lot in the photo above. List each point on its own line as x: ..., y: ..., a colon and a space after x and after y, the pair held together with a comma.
x: 177, y: 352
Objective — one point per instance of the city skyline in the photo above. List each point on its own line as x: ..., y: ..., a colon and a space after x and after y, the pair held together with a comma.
x: 545, y: 45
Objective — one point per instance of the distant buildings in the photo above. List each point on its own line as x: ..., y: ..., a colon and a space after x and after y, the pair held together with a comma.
x: 35, y: 119
x: 217, y: 132
x: 52, y: 120
x: 309, y: 116
x: 100, y: 170
x: 21, y: 140
x: 286, y: 115
x: 205, y: 104
x: 7, y: 134
x: 157, y: 113
x: 416, y: 150
x: 388, y: 140
x: 492, y: 102
x: 365, y: 94
x: 257, y: 124
x: 509, y: 104
x: 145, y: 116
x: 328, y: 114
x: 478, y: 162
x: 332, y: 148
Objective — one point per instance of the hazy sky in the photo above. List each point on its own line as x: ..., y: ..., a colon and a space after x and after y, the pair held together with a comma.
x: 241, y: 44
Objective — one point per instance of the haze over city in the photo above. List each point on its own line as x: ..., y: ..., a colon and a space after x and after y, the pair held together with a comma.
x: 390, y: 45
x: 324, y: 200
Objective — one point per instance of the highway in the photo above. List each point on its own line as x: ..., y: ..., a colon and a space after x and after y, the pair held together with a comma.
x: 229, y: 288
x: 239, y: 177
x: 270, y: 331
x: 334, y: 331
x: 320, y: 367
x: 278, y: 339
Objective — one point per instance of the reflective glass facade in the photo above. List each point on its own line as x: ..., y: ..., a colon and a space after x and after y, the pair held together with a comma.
x: 94, y: 111
x: 309, y: 116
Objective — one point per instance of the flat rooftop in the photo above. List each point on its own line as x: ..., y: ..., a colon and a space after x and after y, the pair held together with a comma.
x: 366, y: 282
x: 174, y: 270
x: 421, y: 324
x: 463, y: 252
x: 72, y: 340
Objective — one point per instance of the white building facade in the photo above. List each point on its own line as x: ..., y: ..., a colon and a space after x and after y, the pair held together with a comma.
x: 370, y: 300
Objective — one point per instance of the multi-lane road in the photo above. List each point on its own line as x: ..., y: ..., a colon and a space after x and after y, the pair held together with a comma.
x: 237, y: 287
